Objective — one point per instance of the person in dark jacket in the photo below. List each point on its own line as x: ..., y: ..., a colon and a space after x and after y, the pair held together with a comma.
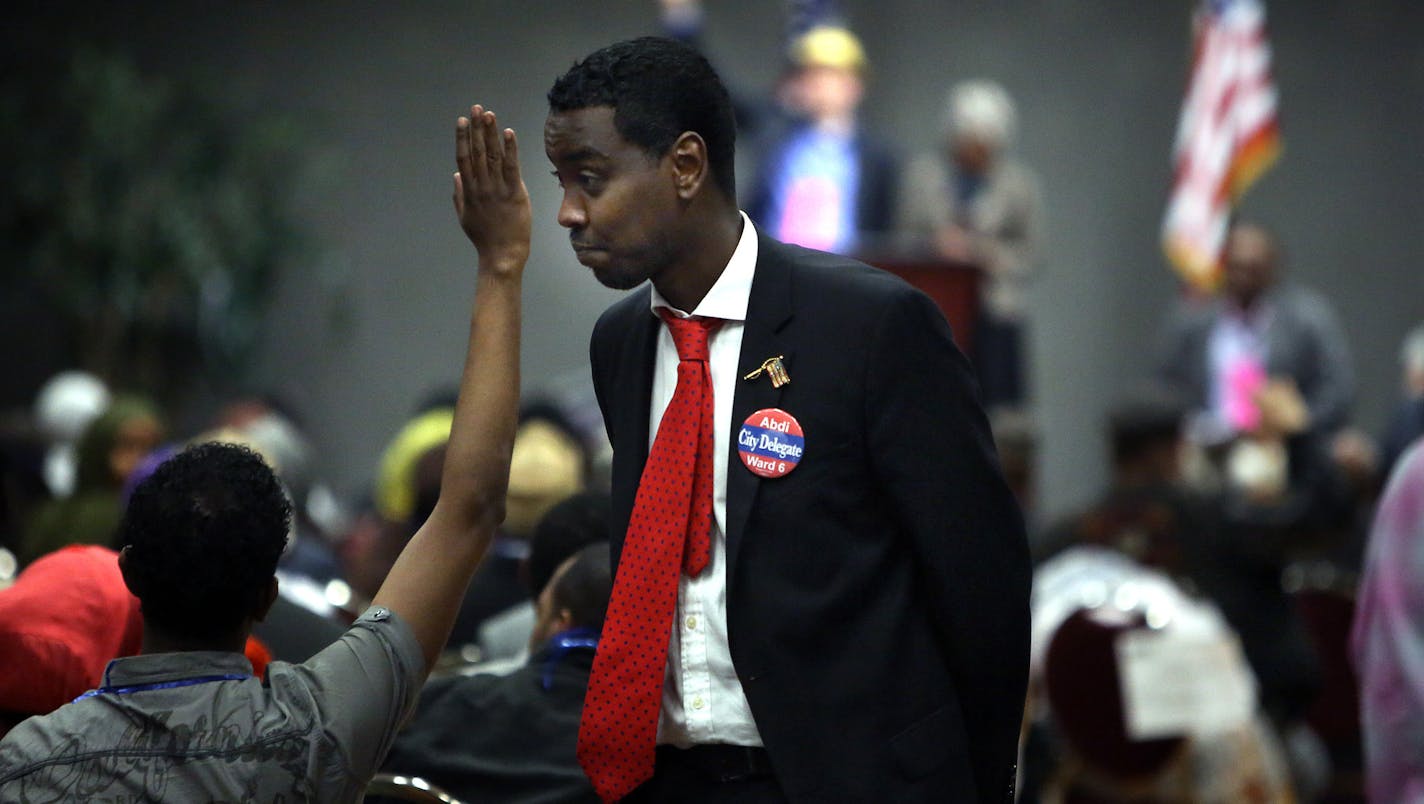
x: 511, y: 738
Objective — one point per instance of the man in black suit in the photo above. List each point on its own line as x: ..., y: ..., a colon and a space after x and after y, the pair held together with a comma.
x: 860, y: 631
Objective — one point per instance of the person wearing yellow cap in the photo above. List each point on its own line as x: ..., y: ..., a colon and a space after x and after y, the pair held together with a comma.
x: 546, y: 467
x: 822, y: 182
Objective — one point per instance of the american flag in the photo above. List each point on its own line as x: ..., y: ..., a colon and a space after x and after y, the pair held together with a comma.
x: 1226, y: 138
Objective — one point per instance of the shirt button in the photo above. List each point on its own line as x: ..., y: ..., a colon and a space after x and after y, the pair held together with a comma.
x: 691, y: 623
x: 698, y: 703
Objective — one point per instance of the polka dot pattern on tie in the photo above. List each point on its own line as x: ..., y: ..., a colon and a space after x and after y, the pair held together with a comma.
x: 669, y: 533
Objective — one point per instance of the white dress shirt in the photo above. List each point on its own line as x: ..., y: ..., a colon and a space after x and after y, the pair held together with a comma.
x: 703, y: 701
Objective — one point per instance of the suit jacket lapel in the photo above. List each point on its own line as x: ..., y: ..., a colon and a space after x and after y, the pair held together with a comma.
x: 769, y: 308
x: 631, y: 395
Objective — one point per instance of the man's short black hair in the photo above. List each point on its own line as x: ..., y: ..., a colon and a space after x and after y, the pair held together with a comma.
x: 204, y: 533
x: 584, y: 587
x: 1146, y: 418
x: 579, y: 520
x: 658, y: 88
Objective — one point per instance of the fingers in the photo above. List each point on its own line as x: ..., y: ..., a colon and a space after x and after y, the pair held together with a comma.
x: 459, y: 194
x: 511, y: 159
x: 479, y: 170
x: 465, y: 175
x: 487, y: 157
x: 494, y: 147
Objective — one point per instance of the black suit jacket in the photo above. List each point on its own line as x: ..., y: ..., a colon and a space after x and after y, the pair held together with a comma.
x: 877, y: 596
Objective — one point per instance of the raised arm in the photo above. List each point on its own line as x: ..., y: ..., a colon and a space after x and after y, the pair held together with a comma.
x: 429, y: 578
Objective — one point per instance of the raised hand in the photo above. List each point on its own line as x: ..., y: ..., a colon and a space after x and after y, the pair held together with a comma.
x: 429, y: 578
x: 490, y: 198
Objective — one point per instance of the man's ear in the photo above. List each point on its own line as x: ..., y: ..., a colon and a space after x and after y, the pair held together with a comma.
x: 130, y: 580
x: 689, y: 164
x: 265, y: 599
x: 563, y: 621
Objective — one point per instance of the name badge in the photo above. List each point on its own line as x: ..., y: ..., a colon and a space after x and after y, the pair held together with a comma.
x: 771, y: 443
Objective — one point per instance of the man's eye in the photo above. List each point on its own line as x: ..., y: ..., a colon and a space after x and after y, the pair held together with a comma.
x: 590, y: 180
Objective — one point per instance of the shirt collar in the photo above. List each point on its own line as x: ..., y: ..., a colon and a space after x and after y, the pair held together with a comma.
x: 1260, y: 310
x: 157, y: 668
x: 1255, y: 320
x: 728, y: 297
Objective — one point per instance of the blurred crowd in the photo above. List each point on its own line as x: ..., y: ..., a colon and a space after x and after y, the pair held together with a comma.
x: 1235, y: 618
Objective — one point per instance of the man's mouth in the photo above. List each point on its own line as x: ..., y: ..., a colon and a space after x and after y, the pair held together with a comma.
x: 586, y: 253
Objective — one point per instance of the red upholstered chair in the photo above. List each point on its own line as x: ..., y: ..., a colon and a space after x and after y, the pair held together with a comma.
x: 61, y: 622
x: 1084, y: 692
x: 65, y: 617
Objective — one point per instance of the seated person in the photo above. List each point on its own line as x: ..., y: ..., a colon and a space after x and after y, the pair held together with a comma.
x: 290, y: 632
x: 65, y: 617
x: 1216, y: 545
x: 110, y: 450
x: 525, y: 748
x: 1107, y: 633
x: 577, y: 521
x: 186, y: 720
x: 547, y: 466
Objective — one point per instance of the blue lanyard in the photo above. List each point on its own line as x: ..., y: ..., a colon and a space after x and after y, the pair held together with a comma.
x: 509, y: 547
x: 160, y: 685
x: 560, y: 645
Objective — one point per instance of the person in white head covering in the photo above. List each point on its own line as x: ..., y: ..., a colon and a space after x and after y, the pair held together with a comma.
x: 969, y: 201
x: 65, y: 405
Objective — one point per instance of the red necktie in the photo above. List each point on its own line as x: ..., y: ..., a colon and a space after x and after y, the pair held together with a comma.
x: 670, y: 530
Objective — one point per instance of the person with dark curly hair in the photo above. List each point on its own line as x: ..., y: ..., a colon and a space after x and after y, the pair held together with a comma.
x: 201, y: 538
x: 187, y: 720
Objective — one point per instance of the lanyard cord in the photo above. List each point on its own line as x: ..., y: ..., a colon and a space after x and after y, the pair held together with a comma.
x: 559, y: 646
x: 160, y: 685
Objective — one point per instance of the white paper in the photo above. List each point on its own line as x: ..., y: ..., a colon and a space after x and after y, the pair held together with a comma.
x: 1176, y: 683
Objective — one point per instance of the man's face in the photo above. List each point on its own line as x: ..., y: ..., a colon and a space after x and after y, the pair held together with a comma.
x: 1249, y: 264
x: 135, y: 439
x: 826, y: 93
x: 620, y: 205
x: 971, y: 155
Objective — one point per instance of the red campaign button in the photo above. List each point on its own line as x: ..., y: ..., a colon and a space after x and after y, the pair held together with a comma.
x: 771, y: 442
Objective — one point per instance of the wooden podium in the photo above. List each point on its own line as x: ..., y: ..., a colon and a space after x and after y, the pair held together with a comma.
x: 954, y: 286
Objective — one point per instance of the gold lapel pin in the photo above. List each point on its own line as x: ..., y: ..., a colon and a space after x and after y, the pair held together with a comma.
x: 775, y: 369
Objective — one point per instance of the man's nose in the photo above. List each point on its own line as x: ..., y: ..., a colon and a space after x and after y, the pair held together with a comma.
x: 572, y: 214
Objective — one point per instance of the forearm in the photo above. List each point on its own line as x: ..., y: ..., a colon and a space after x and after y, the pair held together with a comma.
x: 429, y: 578
x: 476, y: 471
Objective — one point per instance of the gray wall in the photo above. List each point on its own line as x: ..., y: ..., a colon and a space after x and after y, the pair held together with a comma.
x: 357, y: 341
